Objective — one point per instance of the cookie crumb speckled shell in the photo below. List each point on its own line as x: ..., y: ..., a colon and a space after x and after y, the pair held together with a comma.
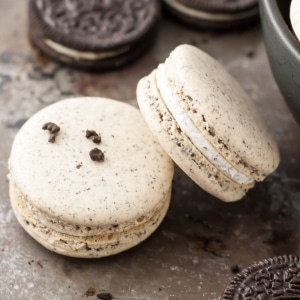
x: 207, y: 124
x: 80, y: 207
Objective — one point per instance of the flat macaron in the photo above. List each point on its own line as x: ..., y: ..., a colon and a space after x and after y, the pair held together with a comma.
x: 87, y: 178
x: 218, y: 14
x: 205, y: 121
x: 96, y: 34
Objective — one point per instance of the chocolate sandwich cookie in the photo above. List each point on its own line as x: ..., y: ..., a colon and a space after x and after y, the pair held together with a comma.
x: 274, y: 278
x: 214, y: 13
x: 93, y: 34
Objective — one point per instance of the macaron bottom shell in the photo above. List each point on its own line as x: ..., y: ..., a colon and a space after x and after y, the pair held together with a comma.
x: 109, y: 241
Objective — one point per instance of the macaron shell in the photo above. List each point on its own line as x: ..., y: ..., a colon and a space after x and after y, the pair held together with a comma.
x: 82, y: 243
x: 179, y: 147
x: 295, y: 17
x: 222, y: 111
x: 134, y: 177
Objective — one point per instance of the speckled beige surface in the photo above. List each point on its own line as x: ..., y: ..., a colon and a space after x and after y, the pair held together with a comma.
x: 85, y: 208
x: 295, y: 17
x: 222, y: 111
x: 203, y: 241
x: 210, y: 126
x: 180, y: 148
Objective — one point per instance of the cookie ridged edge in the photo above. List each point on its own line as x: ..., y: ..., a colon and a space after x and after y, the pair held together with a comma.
x: 231, y: 291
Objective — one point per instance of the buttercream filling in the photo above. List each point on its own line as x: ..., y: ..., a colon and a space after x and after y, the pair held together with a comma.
x: 87, y: 55
x: 219, y: 17
x: 188, y: 127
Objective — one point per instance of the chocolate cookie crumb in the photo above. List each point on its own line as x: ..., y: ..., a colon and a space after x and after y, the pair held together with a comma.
x: 96, y: 137
x: 90, y: 292
x: 90, y: 133
x: 51, y: 138
x: 235, y: 269
x: 96, y: 155
x: 105, y: 296
x: 53, y: 129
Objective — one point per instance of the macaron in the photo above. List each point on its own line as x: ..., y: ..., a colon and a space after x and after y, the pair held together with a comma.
x: 206, y: 122
x: 218, y: 14
x: 87, y: 178
x: 93, y: 34
x: 295, y: 17
x: 272, y: 278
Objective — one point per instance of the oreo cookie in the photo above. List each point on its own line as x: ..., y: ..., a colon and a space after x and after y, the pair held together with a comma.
x: 275, y: 278
x: 217, y: 14
x: 96, y: 34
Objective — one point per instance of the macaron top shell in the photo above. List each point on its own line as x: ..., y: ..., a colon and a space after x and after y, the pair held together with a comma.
x: 64, y: 182
x: 222, y: 111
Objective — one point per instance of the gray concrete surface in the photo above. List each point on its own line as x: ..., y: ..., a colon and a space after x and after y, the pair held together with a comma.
x: 196, y: 251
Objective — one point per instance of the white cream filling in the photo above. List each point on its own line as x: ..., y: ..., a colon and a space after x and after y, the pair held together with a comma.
x: 219, y: 17
x: 83, y: 54
x: 192, y: 132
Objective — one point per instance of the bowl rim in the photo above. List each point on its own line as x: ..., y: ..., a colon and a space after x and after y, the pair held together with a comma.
x: 281, y: 27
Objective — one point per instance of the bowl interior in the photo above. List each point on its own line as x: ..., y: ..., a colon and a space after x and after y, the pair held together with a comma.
x: 284, y: 9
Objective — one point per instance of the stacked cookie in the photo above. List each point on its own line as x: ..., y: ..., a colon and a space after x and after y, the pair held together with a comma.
x: 104, y: 35
x: 93, y: 34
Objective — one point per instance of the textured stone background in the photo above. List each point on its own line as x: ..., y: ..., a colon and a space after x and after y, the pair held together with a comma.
x: 202, y: 241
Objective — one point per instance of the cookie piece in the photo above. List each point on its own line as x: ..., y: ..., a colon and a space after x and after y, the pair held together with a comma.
x: 83, y: 207
x: 207, y: 124
x: 273, y: 278
x: 93, y: 34
x: 219, y: 14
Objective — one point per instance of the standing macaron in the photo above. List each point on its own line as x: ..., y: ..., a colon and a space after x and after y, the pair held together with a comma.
x: 87, y: 178
x: 219, y: 14
x: 93, y: 34
x: 207, y: 124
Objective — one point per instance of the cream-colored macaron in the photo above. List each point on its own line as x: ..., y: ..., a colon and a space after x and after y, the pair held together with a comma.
x: 295, y: 17
x: 207, y: 124
x: 87, y: 178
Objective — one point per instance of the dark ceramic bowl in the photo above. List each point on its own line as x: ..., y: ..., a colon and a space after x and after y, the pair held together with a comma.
x: 283, y: 50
